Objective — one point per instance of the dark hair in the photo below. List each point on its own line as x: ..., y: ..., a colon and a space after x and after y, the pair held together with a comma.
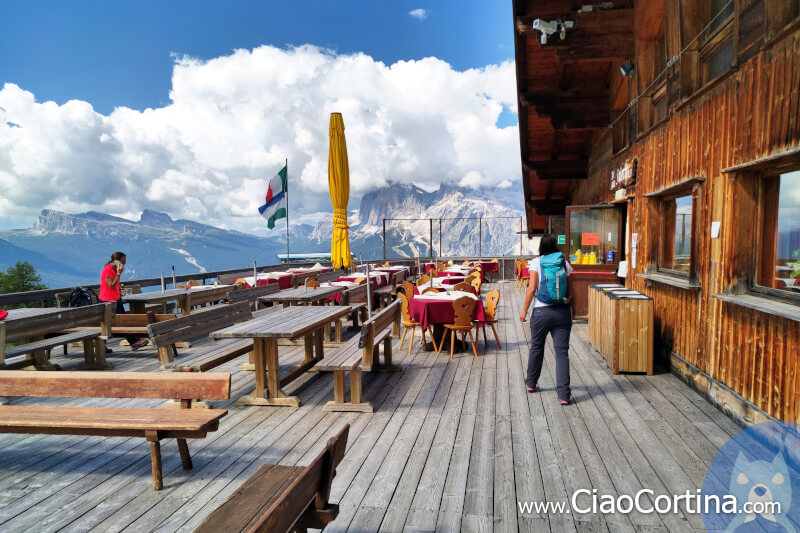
x: 116, y: 256
x: 548, y: 245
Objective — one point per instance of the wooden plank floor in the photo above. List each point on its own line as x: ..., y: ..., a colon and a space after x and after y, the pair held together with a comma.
x: 451, y: 446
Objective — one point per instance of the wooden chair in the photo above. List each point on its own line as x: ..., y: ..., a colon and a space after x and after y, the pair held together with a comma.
x: 476, y: 284
x: 463, y: 308
x: 408, y: 322
x: 423, y: 280
x: 386, y: 264
x: 466, y: 287
x: 283, y: 498
x: 434, y: 273
x: 492, y: 299
x: 360, y: 281
x: 312, y: 283
x: 466, y: 263
x: 493, y: 275
x: 408, y: 289
x: 431, y: 289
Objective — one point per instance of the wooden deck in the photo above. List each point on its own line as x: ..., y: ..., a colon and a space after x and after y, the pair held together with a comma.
x: 452, y: 445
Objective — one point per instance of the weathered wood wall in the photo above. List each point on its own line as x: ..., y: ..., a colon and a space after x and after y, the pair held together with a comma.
x: 750, y: 113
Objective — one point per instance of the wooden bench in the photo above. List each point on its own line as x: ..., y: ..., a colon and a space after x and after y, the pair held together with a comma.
x: 42, y: 333
x: 386, y: 294
x: 251, y: 295
x: 298, y: 280
x: 331, y: 275
x: 278, y: 498
x: 164, y: 336
x: 230, y: 279
x: 361, y: 353
x: 151, y: 423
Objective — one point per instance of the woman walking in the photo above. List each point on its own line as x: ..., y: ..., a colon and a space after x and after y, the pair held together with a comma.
x: 551, y: 314
x: 109, y: 291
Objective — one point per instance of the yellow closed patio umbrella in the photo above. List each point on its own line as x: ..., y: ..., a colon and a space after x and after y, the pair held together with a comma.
x: 339, y: 186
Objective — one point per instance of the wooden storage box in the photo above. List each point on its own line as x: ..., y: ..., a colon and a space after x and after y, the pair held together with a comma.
x: 621, y: 328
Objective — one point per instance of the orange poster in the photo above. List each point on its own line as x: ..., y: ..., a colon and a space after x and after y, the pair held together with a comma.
x: 590, y: 239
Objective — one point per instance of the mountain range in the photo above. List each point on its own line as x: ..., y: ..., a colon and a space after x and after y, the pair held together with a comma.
x: 69, y: 249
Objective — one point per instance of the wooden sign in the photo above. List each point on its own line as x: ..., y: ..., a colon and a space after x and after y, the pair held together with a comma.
x: 624, y: 176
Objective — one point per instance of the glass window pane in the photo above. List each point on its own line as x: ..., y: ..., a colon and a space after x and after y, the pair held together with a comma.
x: 725, y: 9
x: 680, y: 225
x: 720, y: 61
x: 592, y: 234
x: 787, y: 246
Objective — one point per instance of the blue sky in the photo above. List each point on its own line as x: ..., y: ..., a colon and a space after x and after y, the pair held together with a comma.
x: 188, y: 107
x: 119, y: 53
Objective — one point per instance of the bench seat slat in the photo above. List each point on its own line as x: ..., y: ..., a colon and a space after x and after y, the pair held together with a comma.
x: 38, y: 417
x: 52, y: 342
x: 219, y: 353
x: 338, y: 357
x: 250, y: 501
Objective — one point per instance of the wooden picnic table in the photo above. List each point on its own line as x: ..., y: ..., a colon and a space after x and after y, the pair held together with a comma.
x: 186, y: 298
x: 301, y: 295
x: 289, y: 323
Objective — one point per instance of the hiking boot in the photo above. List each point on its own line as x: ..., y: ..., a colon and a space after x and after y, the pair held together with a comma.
x: 138, y: 344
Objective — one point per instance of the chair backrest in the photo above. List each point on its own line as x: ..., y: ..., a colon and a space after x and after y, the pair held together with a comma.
x: 465, y: 263
x: 386, y: 264
x: 229, y: 279
x: 423, y: 280
x: 309, y: 491
x: 312, y: 283
x: 463, y: 308
x: 431, y: 289
x: 495, y: 260
x: 404, y: 306
x: 408, y: 288
x: 470, y: 278
x: 463, y: 286
x: 69, y: 317
x: 324, y: 277
x: 192, y: 283
x: 199, y: 324
x: 492, y: 299
x: 300, y: 278
x: 252, y: 295
x: 354, y: 294
x: 179, y: 386
x: 476, y: 284
x: 434, y: 273
x: 360, y: 280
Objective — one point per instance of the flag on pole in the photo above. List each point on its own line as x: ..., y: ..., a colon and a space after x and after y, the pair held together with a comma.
x: 276, y: 205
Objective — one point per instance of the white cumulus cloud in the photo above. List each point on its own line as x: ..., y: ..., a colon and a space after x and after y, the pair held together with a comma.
x: 419, y: 14
x: 233, y: 120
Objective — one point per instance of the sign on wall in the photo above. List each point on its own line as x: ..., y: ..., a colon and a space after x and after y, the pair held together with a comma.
x: 624, y: 176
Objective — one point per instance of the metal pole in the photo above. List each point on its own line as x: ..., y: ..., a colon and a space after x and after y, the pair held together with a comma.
x: 440, y: 238
x: 287, y: 209
x: 430, y: 249
x: 174, y: 285
x: 480, y: 237
x: 520, y: 235
x: 255, y: 275
x: 384, y: 239
x: 163, y: 286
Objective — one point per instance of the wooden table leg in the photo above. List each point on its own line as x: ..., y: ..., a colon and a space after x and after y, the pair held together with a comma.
x: 319, y: 347
x: 138, y: 307
x: 267, y: 375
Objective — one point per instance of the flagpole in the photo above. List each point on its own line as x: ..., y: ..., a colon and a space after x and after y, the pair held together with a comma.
x: 287, y: 209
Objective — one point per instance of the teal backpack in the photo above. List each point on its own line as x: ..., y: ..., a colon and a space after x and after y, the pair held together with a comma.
x: 553, y: 281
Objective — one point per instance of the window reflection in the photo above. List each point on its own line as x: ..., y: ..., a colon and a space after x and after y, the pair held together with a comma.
x: 787, y: 234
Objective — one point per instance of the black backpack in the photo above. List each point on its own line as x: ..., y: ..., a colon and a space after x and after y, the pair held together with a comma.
x: 81, y: 296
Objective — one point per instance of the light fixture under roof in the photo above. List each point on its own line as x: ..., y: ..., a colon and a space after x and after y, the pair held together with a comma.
x: 626, y: 69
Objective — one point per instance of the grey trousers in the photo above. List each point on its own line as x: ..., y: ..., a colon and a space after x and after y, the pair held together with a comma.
x: 557, y: 321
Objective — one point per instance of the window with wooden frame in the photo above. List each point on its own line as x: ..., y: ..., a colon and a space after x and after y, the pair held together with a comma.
x: 717, y: 55
x: 676, y: 215
x: 778, y: 248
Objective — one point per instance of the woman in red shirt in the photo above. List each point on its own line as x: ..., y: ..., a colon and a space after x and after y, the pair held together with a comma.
x: 109, y: 290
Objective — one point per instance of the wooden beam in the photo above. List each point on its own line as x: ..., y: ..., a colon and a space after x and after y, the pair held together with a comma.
x: 600, y: 35
x: 557, y: 165
x: 566, y: 110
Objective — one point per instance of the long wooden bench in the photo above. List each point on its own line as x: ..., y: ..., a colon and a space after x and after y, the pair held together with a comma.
x: 331, y: 275
x: 230, y: 279
x: 164, y: 336
x: 253, y: 294
x: 278, y: 498
x: 42, y: 333
x: 361, y: 353
x: 154, y: 424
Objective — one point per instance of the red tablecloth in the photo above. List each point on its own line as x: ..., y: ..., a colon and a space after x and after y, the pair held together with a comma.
x: 523, y: 273
x: 428, y: 311
x: 446, y: 274
x: 489, y: 266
